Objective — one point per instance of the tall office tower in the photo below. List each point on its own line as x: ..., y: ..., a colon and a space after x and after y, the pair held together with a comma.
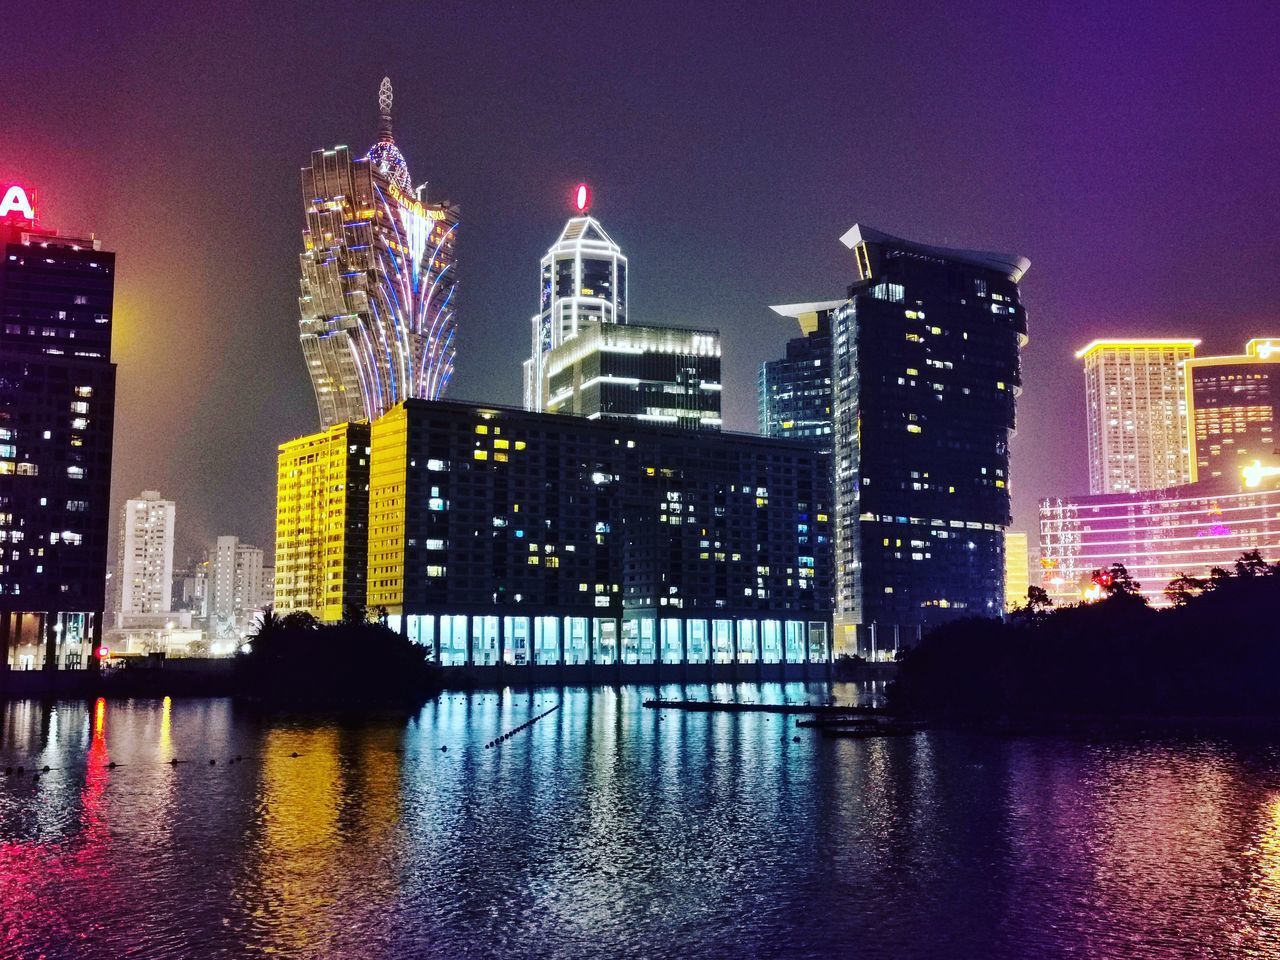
x: 57, y: 410
x: 507, y: 536
x: 322, y: 532
x: 234, y: 585
x: 144, y: 568
x: 926, y: 370
x: 379, y: 281
x: 1233, y: 404
x: 588, y: 361
x: 795, y: 392
x: 1137, y: 413
x: 1017, y: 570
x: 584, y: 281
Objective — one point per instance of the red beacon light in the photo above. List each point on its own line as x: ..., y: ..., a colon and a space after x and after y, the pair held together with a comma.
x: 582, y: 197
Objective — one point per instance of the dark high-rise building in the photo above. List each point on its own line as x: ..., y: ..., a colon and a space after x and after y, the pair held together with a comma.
x: 57, y: 410
x: 926, y: 354
x: 507, y: 536
x: 795, y: 392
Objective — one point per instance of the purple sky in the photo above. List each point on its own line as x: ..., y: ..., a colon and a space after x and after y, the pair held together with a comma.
x: 1132, y: 151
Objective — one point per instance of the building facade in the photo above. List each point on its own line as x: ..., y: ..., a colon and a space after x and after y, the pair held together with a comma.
x: 1136, y: 413
x: 583, y: 283
x: 631, y: 371
x: 1157, y: 534
x: 144, y: 565
x: 1232, y: 410
x: 588, y: 361
x: 235, y: 594
x: 1017, y: 570
x: 500, y: 536
x: 795, y: 392
x: 926, y: 372
x: 322, y: 506
x: 57, y: 412
x: 379, y: 281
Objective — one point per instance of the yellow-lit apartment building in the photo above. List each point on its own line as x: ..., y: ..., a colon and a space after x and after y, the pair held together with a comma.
x: 1017, y: 570
x: 322, y: 499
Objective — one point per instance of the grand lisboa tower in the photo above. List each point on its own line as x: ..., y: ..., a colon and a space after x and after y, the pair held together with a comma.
x: 379, y: 280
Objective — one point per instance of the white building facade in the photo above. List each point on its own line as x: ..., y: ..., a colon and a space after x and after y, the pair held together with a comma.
x: 144, y: 568
x: 235, y: 586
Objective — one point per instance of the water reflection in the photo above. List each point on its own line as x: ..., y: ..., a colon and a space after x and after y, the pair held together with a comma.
x: 604, y: 826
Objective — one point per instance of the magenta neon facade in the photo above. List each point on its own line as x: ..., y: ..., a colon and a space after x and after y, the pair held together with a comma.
x: 379, y: 289
x: 1156, y: 534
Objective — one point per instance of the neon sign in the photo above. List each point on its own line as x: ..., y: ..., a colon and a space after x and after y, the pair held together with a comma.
x: 20, y: 201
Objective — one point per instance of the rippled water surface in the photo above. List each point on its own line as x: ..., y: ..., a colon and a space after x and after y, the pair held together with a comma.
x: 606, y: 829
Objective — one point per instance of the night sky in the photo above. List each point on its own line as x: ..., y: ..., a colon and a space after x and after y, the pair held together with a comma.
x: 1132, y: 152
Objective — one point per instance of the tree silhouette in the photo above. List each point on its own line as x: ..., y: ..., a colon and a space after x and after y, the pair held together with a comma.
x: 1183, y: 588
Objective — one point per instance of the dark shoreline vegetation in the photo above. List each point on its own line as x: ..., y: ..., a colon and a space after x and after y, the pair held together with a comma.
x: 1213, y: 655
x: 296, y: 660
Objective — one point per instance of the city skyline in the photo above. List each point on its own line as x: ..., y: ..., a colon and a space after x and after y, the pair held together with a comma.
x: 220, y: 277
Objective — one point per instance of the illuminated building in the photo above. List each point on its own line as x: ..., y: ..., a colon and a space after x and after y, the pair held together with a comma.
x: 1017, y: 570
x: 926, y: 371
x: 1137, y: 413
x: 633, y: 372
x: 527, y: 539
x: 379, y: 281
x: 795, y: 392
x: 322, y: 505
x: 57, y: 409
x: 234, y: 586
x: 1157, y: 534
x: 588, y: 361
x: 144, y: 565
x: 1232, y: 405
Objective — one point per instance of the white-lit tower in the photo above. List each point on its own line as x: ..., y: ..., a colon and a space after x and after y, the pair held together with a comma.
x: 584, y: 280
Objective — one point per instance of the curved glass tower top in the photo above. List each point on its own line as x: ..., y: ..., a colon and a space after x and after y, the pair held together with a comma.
x: 379, y: 286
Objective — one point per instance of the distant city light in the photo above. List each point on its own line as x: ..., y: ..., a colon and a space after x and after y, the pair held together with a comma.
x: 1255, y: 473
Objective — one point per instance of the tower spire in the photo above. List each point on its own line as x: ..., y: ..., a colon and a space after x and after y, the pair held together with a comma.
x: 384, y: 109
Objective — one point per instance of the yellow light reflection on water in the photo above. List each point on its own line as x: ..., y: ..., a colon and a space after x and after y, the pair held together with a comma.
x: 166, y: 727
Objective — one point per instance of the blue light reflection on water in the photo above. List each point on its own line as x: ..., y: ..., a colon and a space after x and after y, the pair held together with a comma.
x: 608, y: 828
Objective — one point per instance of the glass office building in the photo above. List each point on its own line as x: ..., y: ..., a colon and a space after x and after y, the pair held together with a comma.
x: 631, y: 371
x: 587, y: 360
x: 505, y: 537
x: 926, y: 373
x: 583, y: 282
x: 57, y: 413
x: 795, y: 392
x: 379, y: 292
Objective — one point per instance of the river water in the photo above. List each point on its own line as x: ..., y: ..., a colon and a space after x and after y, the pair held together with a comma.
x: 607, y: 829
